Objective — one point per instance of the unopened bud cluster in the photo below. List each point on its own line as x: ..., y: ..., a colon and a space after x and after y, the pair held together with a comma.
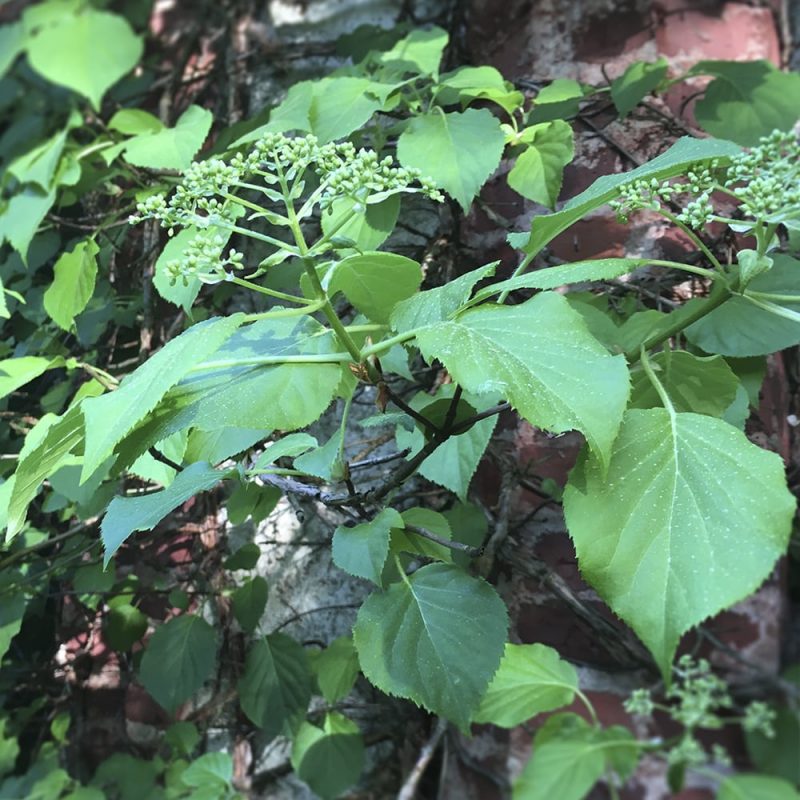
x: 203, y: 259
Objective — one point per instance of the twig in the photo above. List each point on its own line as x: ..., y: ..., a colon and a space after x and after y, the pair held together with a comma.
x: 376, y: 460
x: 414, y: 414
x: 166, y: 460
x: 409, y: 788
x: 472, y: 552
x: 300, y: 614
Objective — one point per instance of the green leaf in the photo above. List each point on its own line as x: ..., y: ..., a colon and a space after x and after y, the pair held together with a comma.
x: 171, y: 148
x: 752, y: 264
x: 342, y: 104
x: 417, y: 639
x: 275, y: 688
x: 246, y: 557
x: 294, y: 444
x: 542, y: 359
x: 182, y: 292
x: 419, y: 53
x: 128, y: 514
x: 362, y: 550
x: 325, y: 462
x: 560, y: 100
x: 22, y: 215
x: 133, y: 121
x: 249, y: 601
x: 16, y: 372
x: 87, y: 52
x: 690, y: 519
x: 329, y: 760
x: 747, y: 100
x: 756, y: 787
x: 478, y: 83
x: 406, y: 541
x: 770, y: 327
x: 41, y: 460
x: 638, y: 80
x: 458, y: 151
x: 39, y: 164
x: 702, y: 385
x: 12, y: 43
x: 219, y: 445
x: 532, y: 679
x: 539, y: 169
x: 75, y: 273
x: 599, y: 269
x: 180, y: 657
x: 368, y: 229
x: 337, y: 668
x: 289, y: 115
x: 210, y: 770
x: 375, y: 282
x: 124, y: 626
x: 437, y: 305
x: 12, y: 610
x: 675, y: 161
x: 110, y: 417
x: 182, y: 737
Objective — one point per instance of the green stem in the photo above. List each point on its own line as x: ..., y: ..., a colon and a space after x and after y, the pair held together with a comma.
x: 657, y: 385
x: 524, y: 264
x: 590, y: 708
x: 701, y: 245
x: 778, y: 298
x: 386, y: 344
x: 271, y: 292
x: 284, y: 312
x: 261, y: 237
x: 262, y: 361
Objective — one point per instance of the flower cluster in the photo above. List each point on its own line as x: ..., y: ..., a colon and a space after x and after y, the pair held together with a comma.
x: 203, y: 259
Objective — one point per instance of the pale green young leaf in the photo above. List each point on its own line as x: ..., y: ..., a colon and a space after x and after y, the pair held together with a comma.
x: 249, y: 601
x: 458, y: 151
x: 477, y: 83
x: 211, y: 770
x: 375, y: 282
x: 539, y: 169
x: 275, y: 688
x: 337, y: 668
x: 747, y: 100
x: 675, y: 161
x: 128, y: 514
x: 417, y: 639
x: 437, y: 305
x: 756, y: 787
x: 542, y: 359
x: 39, y: 164
x: 638, y: 80
x: 559, y: 100
x: 75, y: 273
x: 690, y: 518
x: 600, y: 269
x: 87, y: 52
x: 183, y: 292
x: 180, y: 657
x: 221, y: 444
x: 472, y: 78
x: 328, y: 759
x: 362, y: 550
x: 133, y: 121
x: 22, y: 215
x: 110, y: 417
x: 292, y: 114
x: 12, y: 43
x: 419, y: 53
x: 532, y: 679
x: 701, y: 385
x: 40, y: 460
x: 171, y: 148
x: 323, y: 462
x: 771, y: 327
x: 16, y: 372
x: 369, y: 229
x: 294, y: 444
x: 343, y: 104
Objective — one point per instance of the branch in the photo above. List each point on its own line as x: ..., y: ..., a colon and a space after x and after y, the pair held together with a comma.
x: 409, y: 788
x: 472, y: 552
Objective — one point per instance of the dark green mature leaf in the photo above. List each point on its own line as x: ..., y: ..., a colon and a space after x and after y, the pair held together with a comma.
x: 756, y: 787
x: 542, y: 359
x: 638, y: 80
x: 124, y: 625
x: 329, y: 759
x: 539, y: 169
x: 275, y: 688
x: 249, y: 601
x: 111, y: 417
x: 128, y: 514
x: 771, y: 326
x: 12, y: 43
x: 73, y: 283
x: 690, y: 518
x: 362, y: 550
x: 747, y: 100
x: 171, y: 148
x: 337, y: 668
x: 12, y: 609
x: 87, y: 52
x: 375, y: 282
x: 532, y: 679
x: 675, y: 161
x: 180, y: 657
x: 458, y: 151
x: 417, y: 639
x: 437, y: 305
x: 701, y: 385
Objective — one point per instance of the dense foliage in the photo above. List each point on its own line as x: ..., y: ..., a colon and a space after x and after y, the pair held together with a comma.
x: 294, y: 303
